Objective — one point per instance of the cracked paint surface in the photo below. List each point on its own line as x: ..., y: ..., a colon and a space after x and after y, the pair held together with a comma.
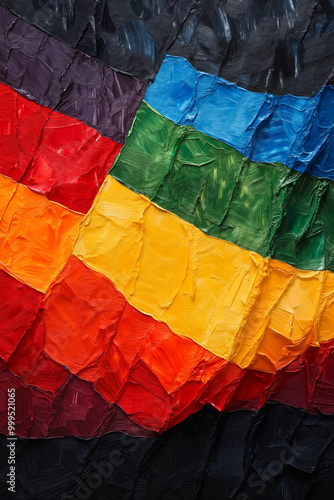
x: 53, y: 74
x: 86, y: 344
x: 222, y: 37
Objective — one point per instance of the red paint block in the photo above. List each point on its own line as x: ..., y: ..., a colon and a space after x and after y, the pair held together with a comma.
x: 53, y: 154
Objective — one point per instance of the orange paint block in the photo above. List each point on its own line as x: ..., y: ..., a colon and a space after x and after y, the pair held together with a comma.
x: 36, y: 235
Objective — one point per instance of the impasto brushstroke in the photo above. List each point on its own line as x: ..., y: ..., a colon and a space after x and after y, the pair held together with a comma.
x: 231, y: 301
x: 166, y: 249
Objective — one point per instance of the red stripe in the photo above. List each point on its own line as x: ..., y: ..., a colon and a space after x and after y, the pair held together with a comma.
x: 51, y: 153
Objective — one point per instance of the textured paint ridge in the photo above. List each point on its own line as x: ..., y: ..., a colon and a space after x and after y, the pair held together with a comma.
x: 294, y: 38
x: 51, y: 153
x: 292, y: 130
x: 53, y: 74
x: 266, y: 208
x: 279, y: 452
x: 36, y: 235
x: 231, y: 301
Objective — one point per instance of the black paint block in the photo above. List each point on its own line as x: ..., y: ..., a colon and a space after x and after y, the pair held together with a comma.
x: 278, y: 452
x: 277, y: 46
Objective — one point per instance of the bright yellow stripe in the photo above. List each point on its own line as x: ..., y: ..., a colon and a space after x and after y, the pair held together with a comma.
x: 36, y: 235
x: 249, y: 310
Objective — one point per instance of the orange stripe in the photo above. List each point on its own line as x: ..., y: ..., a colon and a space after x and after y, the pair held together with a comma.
x: 36, y: 235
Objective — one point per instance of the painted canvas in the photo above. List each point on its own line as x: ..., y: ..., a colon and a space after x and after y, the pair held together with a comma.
x: 166, y: 249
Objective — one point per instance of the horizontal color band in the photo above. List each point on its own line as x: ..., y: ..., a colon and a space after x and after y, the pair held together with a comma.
x: 278, y: 452
x: 51, y: 73
x: 36, y: 235
x: 292, y: 130
x: 284, y: 46
x: 267, y: 208
x: 157, y: 377
x: 51, y: 153
x: 19, y: 305
x: 75, y: 409
x: 231, y: 301
x: 114, y: 33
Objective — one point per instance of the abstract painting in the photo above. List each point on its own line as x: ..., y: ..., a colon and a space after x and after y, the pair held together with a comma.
x: 167, y: 249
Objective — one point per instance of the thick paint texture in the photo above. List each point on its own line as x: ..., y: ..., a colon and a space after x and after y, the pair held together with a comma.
x: 157, y: 378
x: 129, y: 357
x: 32, y: 364
x: 36, y: 235
x: 283, y: 47
x: 73, y: 410
x: 130, y: 36
x: 277, y: 452
x: 266, y: 208
x: 294, y: 38
x: 19, y: 305
x: 255, y: 312
x: 292, y: 130
x: 51, y: 153
x: 119, y: 327
x: 51, y: 73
